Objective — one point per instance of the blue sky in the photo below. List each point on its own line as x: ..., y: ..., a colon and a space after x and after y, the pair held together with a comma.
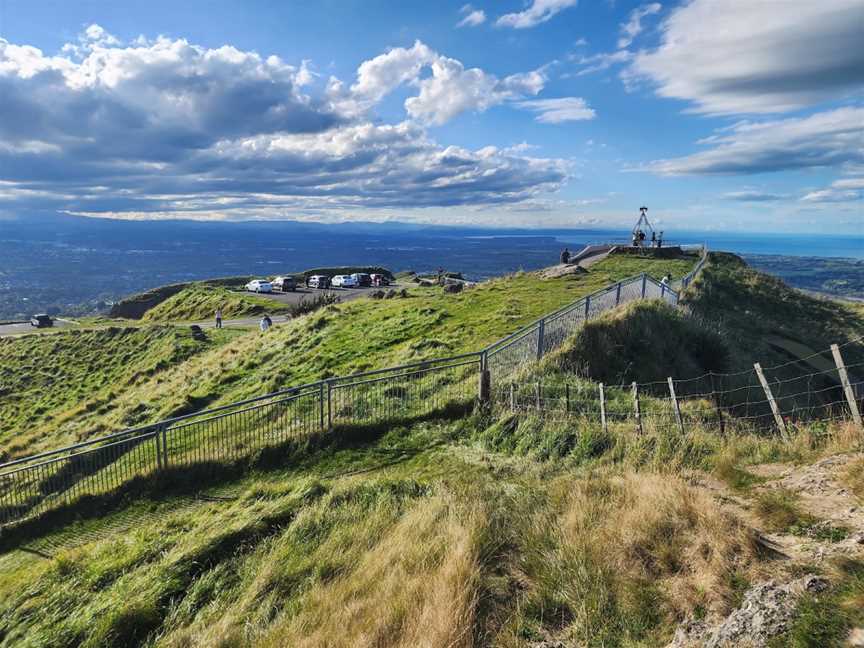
x: 718, y: 114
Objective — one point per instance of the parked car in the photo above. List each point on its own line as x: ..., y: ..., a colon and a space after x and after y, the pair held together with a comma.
x: 259, y: 286
x: 344, y: 281
x: 285, y: 284
x: 362, y: 279
x: 379, y: 280
x: 318, y: 281
x: 41, y: 321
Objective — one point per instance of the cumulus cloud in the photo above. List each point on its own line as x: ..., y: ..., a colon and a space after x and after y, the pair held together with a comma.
x: 633, y: 27
x: 539, y: 11
x: 471, y: 17
x: 826, y: 139
x: 164, y: 126
x: 739, y: 56
x: 555, y: 111
x: 449, y: 90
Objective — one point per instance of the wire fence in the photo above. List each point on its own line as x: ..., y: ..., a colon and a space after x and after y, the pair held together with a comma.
x: 237, y: 432
x: 725, y: 402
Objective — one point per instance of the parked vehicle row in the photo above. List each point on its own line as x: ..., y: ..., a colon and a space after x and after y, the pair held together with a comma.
x: 289, y: 284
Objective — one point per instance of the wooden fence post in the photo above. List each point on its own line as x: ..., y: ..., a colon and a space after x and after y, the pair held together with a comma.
x: 603, y: 408
x: 637, y: 410
x: 847, y: 386
x: 644, y: 284
x: 677, y: 409
x: 567, y: 397
x: 778, y: 419
x: 618, y: 294
x: 587, y: 307
x: 538, y: 396
x: 512, y: 397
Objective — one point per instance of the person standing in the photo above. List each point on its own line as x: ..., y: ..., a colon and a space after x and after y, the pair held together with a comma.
x: 265, y: 323
x: 219, y: 317
x: 565, y: 256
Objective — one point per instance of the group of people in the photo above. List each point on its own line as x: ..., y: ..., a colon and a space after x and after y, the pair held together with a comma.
x: 265, y: 323
x: 639, y: 237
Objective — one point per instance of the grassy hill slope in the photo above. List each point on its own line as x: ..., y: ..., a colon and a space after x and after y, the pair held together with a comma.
x: 46, y: 381
x: 199, y: 302
x: 338, y: 339
x: 491, y: 529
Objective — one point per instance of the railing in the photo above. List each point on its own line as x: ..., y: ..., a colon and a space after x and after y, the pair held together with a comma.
x: 238, y: 432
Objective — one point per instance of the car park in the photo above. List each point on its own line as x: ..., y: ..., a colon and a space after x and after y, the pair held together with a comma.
x: 344, y: 281
x: 318, y: 281
x: 363, y: 280
x: 41, y: 321
x: 285, y: 284
x: 259, y: 286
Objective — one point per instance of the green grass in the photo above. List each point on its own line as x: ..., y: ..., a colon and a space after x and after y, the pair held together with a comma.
x: 48, y: 381
x: 781, y: 513
x: 337, y: 340
x: 199, y: 302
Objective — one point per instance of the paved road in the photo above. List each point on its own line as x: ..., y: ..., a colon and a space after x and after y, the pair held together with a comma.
x: 24, y: 327
x: 345, y: 294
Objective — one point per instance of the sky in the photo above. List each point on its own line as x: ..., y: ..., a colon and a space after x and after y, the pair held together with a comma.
x: 734, y: 115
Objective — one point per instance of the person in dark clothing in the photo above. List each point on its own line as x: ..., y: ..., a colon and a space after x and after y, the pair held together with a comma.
x: 565, y: 255
x: 653, y: 239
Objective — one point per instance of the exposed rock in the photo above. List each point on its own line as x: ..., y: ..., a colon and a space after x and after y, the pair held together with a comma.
x: 562, y: 270
x: 765, y: 613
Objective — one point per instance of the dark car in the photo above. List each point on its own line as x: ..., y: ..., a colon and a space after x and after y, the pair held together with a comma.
x: 363, y: 279
x: 285, y: 284
x: 379, y: 279
x: 41, y: 321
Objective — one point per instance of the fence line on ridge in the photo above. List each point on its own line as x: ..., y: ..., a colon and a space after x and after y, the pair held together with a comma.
x: 30, y: 486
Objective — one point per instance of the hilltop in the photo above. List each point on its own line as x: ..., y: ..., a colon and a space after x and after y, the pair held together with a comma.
x: 480, y: 528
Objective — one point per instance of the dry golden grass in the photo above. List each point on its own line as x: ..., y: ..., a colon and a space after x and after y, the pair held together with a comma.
x: 416, y: 588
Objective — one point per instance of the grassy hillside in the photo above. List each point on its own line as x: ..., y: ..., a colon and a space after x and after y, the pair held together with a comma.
x: 340, y: 339
x: 491, y: 529
x: 48, y: 381
x: 437, y: 535
x: 199, y: 302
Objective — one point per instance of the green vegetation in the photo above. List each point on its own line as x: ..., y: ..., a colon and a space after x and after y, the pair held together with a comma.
x: 47, y: 382
x: 468, y: 530
x: 199, y: 302
x: 336, y: 340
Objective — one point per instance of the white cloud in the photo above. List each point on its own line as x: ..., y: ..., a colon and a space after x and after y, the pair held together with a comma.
x: 825, y: 139
x: 449, y: 90
x: 843, y: 190
x: 633, y: 27
x: 753, y: 195
x: 168, y: 127
x: 471, y: 17
x: 603, y: 61
x: 741, y: 56
x: 539, y: 11
x: 555, y: 111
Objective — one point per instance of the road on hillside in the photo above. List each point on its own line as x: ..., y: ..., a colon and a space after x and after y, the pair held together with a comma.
x: 344, y: 294
x: 18, y: 328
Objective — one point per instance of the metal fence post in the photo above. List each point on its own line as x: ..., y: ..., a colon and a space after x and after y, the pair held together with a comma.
x: 164, y: 446
x: 484, y: 387
x: 329, y: 405
x: 321, y: 406
x: 637, y: 410
x: 847, y: 386
x: 541, y: 330
x: 603, y: 408
x: 778, y: 419
x: 157, y: 436
x: 644, y: 284
x: 618, y: 294
x: 677, y: 409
